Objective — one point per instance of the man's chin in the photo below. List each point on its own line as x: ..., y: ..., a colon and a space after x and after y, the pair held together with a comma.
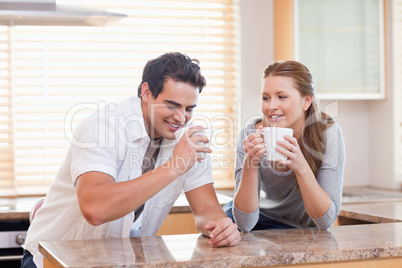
x: 169, y: 136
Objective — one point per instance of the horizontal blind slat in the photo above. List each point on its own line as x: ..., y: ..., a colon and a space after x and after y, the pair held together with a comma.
x: 56, y: 70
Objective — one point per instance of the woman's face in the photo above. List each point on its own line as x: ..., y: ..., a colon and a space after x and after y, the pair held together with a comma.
x: 282, y: 104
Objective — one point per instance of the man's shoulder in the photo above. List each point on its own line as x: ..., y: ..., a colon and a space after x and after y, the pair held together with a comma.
x: 129, y: 106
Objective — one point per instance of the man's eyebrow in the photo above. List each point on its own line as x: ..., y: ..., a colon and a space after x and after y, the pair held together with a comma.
x: 178, y: 104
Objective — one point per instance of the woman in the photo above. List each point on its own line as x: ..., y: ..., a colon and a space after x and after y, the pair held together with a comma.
x: 306, y: 189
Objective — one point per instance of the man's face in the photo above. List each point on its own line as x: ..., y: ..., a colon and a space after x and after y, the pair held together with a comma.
x: 172, y: 108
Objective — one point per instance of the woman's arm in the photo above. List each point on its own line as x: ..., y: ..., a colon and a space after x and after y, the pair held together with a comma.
x: 322, y: 194
x: 246, y: 200
x: 330, y: 174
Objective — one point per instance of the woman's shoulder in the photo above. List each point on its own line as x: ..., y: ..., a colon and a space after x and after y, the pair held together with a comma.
x: 334, y: 136
x: 333, y: 129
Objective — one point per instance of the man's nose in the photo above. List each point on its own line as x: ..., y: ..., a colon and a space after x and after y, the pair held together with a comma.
x: 179, y: 116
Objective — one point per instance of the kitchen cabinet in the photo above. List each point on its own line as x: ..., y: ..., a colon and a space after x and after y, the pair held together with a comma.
x: 180, y: 220
x: 341, y: 42
x: 14, y: 223
x: 178, y: 223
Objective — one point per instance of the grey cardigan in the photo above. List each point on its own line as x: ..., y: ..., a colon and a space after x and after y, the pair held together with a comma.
x: 280, y: 197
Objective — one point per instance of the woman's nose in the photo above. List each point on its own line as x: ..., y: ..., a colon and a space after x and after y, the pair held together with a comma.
x: 273, y: 104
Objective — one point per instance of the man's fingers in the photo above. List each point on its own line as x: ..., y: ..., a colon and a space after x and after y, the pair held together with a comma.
x: 225, y: 233
x: 229, y: 237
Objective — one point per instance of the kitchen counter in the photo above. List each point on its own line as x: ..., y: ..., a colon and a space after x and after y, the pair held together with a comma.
x: 17, y: 208
x: 373, y: 212
x: 341, y: 244
x: 369, y: 195
x: 373, y: 244
x: 378, y: 244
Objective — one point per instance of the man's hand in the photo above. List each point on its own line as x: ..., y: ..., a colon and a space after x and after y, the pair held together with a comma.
x: 189, y: 150
x: 223, y: 233
x: 210, y: 219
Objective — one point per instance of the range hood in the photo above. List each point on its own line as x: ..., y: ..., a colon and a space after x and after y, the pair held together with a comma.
x: 47, y: 12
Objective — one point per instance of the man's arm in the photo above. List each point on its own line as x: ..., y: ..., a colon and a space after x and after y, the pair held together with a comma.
x: 210, y: 219
x: 101, y: 199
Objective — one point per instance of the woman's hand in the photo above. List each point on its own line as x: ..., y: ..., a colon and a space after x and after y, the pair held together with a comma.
x: 291, y: 149
x: 254, y: 147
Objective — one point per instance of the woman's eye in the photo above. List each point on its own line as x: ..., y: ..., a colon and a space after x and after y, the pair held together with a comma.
x: 264, y: 98
x: 282, y: 97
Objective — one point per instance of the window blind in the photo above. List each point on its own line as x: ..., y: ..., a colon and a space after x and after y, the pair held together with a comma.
x: 52, y: 77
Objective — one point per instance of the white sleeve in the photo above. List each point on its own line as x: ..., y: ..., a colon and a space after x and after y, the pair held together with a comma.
x: 330, y: 175
x: 90, y: 151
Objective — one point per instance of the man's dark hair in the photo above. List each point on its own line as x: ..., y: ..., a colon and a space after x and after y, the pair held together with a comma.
x: 176, y: 66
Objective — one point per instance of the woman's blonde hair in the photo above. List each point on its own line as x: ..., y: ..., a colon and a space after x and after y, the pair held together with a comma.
x: 312, y: 143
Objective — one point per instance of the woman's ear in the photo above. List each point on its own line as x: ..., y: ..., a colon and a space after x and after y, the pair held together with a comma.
x: 307, y: 102
x: 146, y: 94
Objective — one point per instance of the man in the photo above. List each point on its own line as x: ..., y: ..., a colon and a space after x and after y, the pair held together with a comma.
x: 125, y: 168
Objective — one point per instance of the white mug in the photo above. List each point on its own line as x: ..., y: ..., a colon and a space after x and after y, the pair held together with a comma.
x: 271, y: 136
x: 206, y: 132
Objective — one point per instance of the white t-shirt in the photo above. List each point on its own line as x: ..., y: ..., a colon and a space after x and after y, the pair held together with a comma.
x: 113, y: 140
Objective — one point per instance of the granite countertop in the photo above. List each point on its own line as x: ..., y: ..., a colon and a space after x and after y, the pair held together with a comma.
x: 369, y: 195
x: 17, y: 208
x: 373, y: 212
x: 274, y: 247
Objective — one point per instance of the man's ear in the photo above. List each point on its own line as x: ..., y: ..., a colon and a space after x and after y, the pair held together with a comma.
x: 307, y: 102
x: 146, y: 94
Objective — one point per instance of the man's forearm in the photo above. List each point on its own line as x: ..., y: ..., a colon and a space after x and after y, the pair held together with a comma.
x: 102, y: 200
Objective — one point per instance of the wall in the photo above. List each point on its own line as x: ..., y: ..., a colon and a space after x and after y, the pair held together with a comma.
x: 369, y: 146
x: 354, y: 119
x: 383, y: 115
x: 256, y: 53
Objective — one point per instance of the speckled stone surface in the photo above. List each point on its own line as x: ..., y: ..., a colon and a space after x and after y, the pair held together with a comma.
x: 373, y: 212
x: 275, y: 247
x: 369, y: 195
x: 16, y: 208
